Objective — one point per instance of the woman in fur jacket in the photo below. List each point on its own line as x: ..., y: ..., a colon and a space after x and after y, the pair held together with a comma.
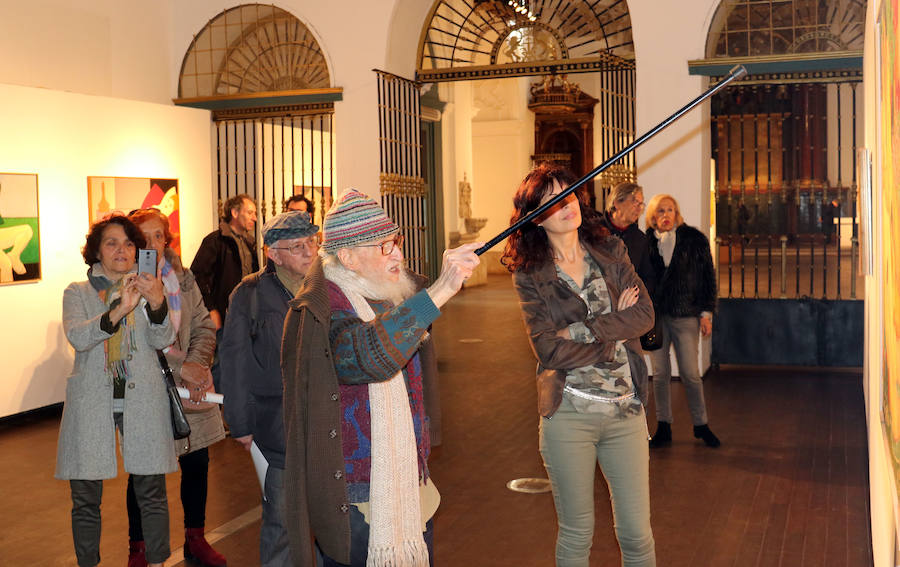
x: 684, y: 298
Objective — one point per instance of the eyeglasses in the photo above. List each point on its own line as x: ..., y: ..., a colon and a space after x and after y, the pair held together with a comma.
x: 388, y: 245
x: 310, y: 244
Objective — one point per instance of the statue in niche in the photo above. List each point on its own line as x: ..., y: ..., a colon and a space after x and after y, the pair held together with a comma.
x: 465, y: 198
x: 473, y: 225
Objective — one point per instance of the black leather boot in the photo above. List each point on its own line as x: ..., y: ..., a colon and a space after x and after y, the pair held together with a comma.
x: 703, y: 432
x: 663, y: 435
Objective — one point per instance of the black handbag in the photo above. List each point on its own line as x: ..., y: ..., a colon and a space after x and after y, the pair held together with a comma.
x: 180, y: 426
x: 652, y: 339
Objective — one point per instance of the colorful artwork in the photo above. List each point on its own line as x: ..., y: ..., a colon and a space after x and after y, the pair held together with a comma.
x: 889, y: 130
x: 20, y: 243
x: 121, y: 195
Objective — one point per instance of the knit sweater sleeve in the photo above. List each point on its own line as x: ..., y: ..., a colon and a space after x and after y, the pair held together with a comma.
x: 374, y: 351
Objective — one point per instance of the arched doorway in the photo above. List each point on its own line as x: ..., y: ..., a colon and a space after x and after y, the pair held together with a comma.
x: 482, y: 55
x: 784, y: 145
x: 266, y: 79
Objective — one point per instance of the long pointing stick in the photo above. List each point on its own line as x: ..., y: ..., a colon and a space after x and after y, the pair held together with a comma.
x: 736, y: 73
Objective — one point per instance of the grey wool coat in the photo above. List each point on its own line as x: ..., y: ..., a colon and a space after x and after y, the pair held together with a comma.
x: 87, y: 436
x: 197, y: 339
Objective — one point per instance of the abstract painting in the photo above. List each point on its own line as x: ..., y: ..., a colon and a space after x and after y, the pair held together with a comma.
x: 889, y: 134
x: 20, y: 242
x: 121, y: 195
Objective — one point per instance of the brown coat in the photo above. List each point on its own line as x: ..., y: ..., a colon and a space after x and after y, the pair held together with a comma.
x: 197, y: 339
x: 317, y: 502
x: 549, y: 304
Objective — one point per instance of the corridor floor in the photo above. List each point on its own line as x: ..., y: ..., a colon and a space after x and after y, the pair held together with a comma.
x: 787, y: 488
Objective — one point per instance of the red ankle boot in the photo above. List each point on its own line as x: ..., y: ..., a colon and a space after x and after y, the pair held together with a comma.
x: 198, y: 550
x: 136, y: 554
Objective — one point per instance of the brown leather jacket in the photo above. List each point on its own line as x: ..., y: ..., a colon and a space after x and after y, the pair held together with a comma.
x: 316, y: 497
x: 549, y: 304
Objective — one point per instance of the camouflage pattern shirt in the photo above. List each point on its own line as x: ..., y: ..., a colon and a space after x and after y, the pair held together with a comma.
x: 604, y: 387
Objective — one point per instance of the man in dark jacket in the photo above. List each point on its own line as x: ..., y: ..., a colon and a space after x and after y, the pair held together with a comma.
x: 251, y: 373
x: 225, y: 256
x: 356, y: 394
x: 624, y: 206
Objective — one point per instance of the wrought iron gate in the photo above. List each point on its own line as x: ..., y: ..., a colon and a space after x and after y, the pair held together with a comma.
x: 617, y: 128
x: 272, y: 154
x: 786, y: 223
x: 400, y: 181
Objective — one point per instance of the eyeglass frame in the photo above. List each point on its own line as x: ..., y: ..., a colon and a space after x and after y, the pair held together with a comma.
x: 394, y: 242
x: 310, y: 243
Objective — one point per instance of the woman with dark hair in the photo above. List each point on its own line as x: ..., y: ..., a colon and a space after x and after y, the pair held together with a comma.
x: 189, y: 357
x: 116, y: 321
x: 581, y: 301
x: 685, y: 298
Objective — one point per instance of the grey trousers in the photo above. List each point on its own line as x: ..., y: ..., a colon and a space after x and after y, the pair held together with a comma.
x: 150, y: 491
x: 273, y: 540
x: 572, y: 444
x: 683, y: 333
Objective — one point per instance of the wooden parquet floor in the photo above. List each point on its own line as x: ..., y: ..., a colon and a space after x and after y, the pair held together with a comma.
x: 787, y: 488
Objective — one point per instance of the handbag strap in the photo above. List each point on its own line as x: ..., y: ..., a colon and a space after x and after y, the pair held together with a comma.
x: 168, y: 377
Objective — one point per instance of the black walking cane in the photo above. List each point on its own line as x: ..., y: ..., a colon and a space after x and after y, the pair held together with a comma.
x: 736, y: 73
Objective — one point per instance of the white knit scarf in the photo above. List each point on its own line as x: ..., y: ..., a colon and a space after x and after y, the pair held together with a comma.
x: 666, y: 245
x: 395, y: 530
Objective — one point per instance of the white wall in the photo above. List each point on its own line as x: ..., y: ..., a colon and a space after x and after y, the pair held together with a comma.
x: 666, y: 36
x: 117, y: 48
x: 64, y: 138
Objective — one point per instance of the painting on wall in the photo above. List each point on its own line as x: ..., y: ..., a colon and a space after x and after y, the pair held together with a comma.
x: 121, y: 195
x: 20, y: 242
x: 889, y: 134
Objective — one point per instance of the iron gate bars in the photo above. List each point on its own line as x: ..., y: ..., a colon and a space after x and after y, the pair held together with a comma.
x: 401, y: 182
x: 273, y: 154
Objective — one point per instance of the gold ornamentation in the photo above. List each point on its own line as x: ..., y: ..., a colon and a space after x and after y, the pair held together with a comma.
x: 401, y: 185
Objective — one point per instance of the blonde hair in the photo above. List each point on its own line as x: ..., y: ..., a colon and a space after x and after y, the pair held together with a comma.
x: 621, y: 192
x: 654, y: 204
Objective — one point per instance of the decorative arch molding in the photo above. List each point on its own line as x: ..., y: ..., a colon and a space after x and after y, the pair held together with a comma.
x: 475, y: 39
x: 252, y: 51
x: 747, y: 28
x: 821, y: 39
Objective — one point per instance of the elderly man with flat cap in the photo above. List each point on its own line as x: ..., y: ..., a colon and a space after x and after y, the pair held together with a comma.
x: 357, y: 386
x: 251, y: 374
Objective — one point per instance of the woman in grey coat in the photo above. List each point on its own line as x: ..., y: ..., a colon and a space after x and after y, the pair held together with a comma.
x: 115, y: 321
x: 190, y: 357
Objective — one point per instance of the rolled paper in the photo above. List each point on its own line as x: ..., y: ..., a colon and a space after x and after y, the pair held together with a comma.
x: 210, y: 397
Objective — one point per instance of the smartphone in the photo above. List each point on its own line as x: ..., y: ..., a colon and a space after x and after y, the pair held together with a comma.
x: 147, y: 262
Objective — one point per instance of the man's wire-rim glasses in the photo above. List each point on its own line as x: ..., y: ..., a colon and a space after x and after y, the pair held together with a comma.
x: 310, y: 243
x: 387, y: 246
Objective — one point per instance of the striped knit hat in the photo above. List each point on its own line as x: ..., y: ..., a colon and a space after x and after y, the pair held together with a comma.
x: 355, y: 219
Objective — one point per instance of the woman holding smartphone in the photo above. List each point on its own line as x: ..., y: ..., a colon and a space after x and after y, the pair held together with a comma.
x: 116, y: 320
x: 189, y: 357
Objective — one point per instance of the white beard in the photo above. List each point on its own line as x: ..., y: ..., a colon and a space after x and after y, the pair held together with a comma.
x: 395, y: 292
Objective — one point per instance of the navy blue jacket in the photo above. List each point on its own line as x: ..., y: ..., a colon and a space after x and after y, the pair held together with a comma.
x: 250, y: 359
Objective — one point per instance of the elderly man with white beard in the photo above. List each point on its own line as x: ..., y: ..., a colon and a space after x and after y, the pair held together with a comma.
x: 358, y: 369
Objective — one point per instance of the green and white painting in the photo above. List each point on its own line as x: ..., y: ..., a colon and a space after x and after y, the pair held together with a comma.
x: 20, y: 243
